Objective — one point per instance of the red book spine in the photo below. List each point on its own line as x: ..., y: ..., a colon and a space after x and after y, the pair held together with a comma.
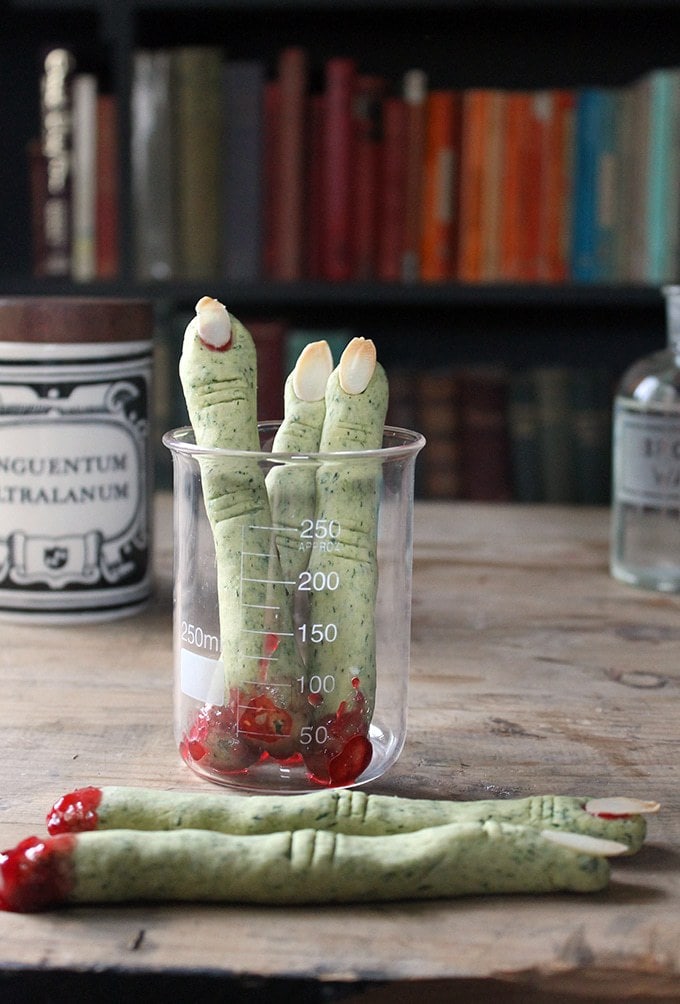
x: 270, y: 176
x: 289, y: 216
x: 37, y: 175
x: 338, y: 169
x: 392, y: 191
x: 315, y: 197
x: 555, y: 189
x: 370, y: 93
x: 106, y: 227
x: 514, y: 149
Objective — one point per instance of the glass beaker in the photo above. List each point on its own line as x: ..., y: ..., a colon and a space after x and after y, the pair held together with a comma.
x: 292, y: 611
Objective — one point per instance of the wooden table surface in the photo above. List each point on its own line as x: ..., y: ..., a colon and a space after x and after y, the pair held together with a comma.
x: 532, y: 672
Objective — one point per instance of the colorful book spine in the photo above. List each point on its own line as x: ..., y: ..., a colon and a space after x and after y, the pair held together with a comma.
x: 107, y: 189
x: 553, y: 390
x: 270, y: 176
x: 556, y: 189
x: 475, y: 133
x: 242, y: 170
x: 197, y: 101
x: 524, y: 437
x: 539, y: 110
x: 439, y: 194
x: 415, y: 88
x: 437, y: 417
x: 486, y: 474
x: 591, y: 404
x: 339, y: 150
x: 491, y: 183
x: 314, y: 201
x: 513, y: 186
x: 663, y: 178
x: 84, y: 204
x: 37, y: 183
x: 594, y: 180
x: 289, y: 188
x: 368, y: 113
x: 153, y: 156
x: 392, y: 191
x: 56, y: 113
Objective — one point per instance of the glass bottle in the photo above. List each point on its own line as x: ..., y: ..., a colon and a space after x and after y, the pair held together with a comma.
x: 645, y: 527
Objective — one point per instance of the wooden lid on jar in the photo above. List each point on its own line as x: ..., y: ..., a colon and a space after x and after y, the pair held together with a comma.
x: 74, y: 319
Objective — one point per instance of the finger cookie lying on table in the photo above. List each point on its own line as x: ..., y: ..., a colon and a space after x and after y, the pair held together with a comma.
x: 342, y: 811
x: 302, y: 866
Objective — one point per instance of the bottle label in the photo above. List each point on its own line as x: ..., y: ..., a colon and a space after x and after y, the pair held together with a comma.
x: 647, y: 458
x: 74, y: 519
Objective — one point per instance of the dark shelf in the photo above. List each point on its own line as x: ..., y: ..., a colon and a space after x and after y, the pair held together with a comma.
x: 367, y: 295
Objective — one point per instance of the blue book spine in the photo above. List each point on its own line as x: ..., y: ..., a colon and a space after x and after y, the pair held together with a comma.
x: 585, y: 205
x: 663, y: 182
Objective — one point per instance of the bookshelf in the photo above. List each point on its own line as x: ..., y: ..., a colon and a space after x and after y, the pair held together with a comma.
x: 461, y: 44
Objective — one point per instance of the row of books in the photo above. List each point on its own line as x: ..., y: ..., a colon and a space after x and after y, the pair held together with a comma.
x: 74, y: 174
x: 245, y: 176
x: 536, y: 435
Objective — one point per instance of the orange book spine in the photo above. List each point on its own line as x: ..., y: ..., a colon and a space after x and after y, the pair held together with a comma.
x: 511, y: 218
x: 476, y: 106
x: 491, y: 187
x: 106, y: 207
x: 439, y: 202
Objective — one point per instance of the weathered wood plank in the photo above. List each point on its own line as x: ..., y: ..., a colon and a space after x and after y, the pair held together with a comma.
x: 532, y: 671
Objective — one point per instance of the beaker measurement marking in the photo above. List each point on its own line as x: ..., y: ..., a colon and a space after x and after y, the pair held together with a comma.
x: 320, y: 528
x: 310, y: 734
x: 268, y: 581
x: 256, y: 554
x: 262, y: 606
x: 280, y: 634
x: 193, y: 634
x: 318, y: 633
x: 272, y: 529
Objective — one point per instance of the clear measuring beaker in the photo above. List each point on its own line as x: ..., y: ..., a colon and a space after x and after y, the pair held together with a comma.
x: 292, y: 611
